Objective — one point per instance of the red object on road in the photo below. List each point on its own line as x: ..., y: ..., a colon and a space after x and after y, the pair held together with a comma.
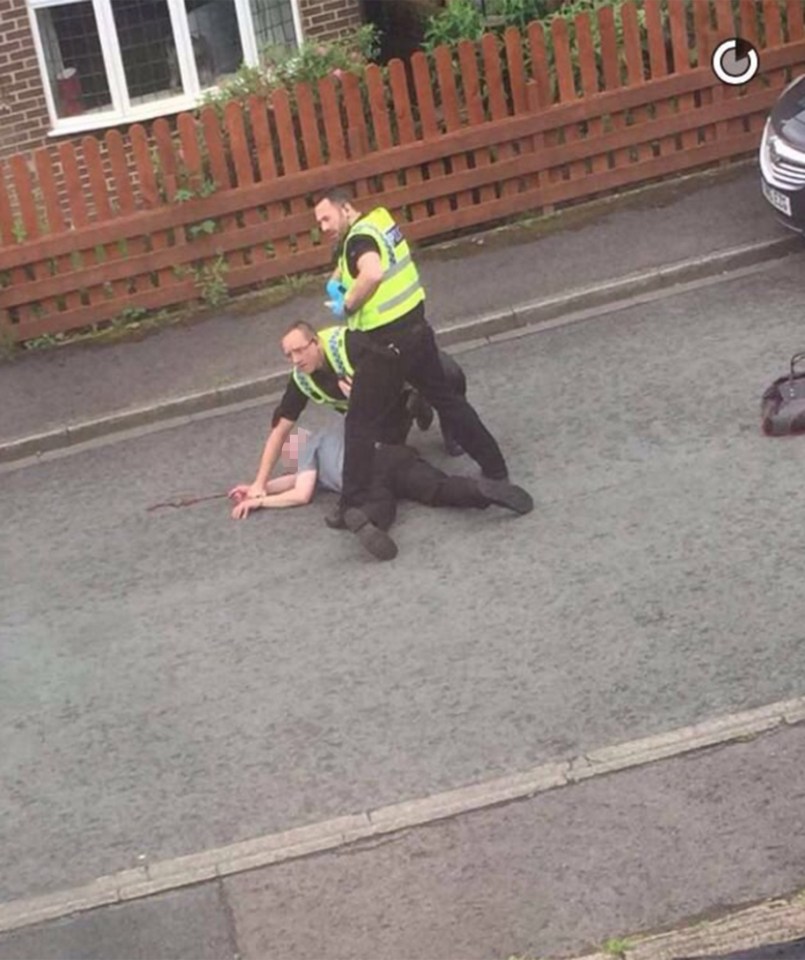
x: 188, y: 501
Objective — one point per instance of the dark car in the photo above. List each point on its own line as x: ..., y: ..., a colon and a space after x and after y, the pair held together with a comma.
x: 782, y: 156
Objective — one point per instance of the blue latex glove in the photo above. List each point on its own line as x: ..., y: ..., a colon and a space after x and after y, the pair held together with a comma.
x: 336, y: 292
x: 337, y: 308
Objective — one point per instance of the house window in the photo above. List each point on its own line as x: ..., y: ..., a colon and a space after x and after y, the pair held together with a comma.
x: 273, y: 23
x: 74, y: 59
x: 112, y: 61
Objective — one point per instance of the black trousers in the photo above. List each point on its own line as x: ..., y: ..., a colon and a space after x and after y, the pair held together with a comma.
x: 378, y: 413
x: 398, y: 424
x: 399, y: 473
x: 453, y: 373
x: 373, y: 415
x: 423, y: 369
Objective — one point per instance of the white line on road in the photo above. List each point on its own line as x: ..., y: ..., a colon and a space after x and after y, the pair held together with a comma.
x: 331, y: 834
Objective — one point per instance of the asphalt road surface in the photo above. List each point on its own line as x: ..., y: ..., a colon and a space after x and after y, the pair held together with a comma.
x: 176, y: 680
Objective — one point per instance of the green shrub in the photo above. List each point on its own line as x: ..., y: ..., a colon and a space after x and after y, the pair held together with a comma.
x: 463, y: 20
x: 313, y: 61
x: 283, y: 67
x: 571, y: 9
x: 459, y: 20
x: 519, y: 13
x: 467, y: 20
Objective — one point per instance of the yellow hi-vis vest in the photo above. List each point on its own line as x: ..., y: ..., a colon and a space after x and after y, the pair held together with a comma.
x: 400, y: 289
x: 333, y: 342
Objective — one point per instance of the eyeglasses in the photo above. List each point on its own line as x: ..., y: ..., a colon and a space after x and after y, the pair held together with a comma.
x: 295, y: 352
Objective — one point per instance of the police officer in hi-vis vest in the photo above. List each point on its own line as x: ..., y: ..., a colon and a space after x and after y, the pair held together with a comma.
x: 376, y: 289
x: 325, y: 363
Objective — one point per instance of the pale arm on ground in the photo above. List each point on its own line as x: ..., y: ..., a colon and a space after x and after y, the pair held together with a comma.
x: 370, y: 275
x: 277, y: 485
x: 298, y: 494
x: 280, y: 484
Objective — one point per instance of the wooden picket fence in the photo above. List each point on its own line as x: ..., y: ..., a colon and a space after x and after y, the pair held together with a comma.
x: 486, y: 133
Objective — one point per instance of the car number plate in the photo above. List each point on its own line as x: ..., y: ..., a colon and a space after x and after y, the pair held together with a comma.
x: 778, y: 200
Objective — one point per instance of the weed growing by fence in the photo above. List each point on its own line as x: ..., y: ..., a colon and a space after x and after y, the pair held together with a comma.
x: 210, y: 280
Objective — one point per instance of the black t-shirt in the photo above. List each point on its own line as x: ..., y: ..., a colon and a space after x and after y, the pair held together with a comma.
x: 356, y: 248
x: 293, y: 401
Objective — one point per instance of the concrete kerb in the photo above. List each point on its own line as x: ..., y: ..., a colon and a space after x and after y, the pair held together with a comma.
x: 735, y: 727
x: 518, y: 320
x: 292, y: 844
x: 180, y: 407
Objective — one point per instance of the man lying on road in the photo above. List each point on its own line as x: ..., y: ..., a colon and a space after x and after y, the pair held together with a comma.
x: 324, y: 363
x: 398, y: 473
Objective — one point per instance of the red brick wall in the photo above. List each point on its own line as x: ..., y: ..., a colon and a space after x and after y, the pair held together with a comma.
x: 329, y: 19
x: 23, y: 115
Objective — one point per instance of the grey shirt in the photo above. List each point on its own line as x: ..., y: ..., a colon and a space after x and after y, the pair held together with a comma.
x: 323, y: 452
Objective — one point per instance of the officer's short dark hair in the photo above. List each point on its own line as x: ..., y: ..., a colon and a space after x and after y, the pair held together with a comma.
x: 302, y: 325
x: 339, y: 196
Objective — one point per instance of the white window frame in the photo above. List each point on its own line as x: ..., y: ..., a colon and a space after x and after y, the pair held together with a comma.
x: 121, y: 110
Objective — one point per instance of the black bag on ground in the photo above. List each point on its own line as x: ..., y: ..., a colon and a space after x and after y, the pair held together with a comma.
x: 783, y: 403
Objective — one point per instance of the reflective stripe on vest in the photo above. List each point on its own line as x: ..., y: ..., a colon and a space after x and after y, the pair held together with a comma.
x: 400, y: 290
x: 313, y: 391
x: 333, y: 343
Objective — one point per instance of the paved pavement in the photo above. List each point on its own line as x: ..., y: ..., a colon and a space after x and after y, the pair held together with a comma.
x: 655, y: 585
x: 647, y: 849
x: 693, y: 218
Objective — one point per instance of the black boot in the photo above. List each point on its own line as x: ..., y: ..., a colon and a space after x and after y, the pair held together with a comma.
x: 451, y: 445
x: 506, y: 494
x: 375, y: 540
x: 335, y: 518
